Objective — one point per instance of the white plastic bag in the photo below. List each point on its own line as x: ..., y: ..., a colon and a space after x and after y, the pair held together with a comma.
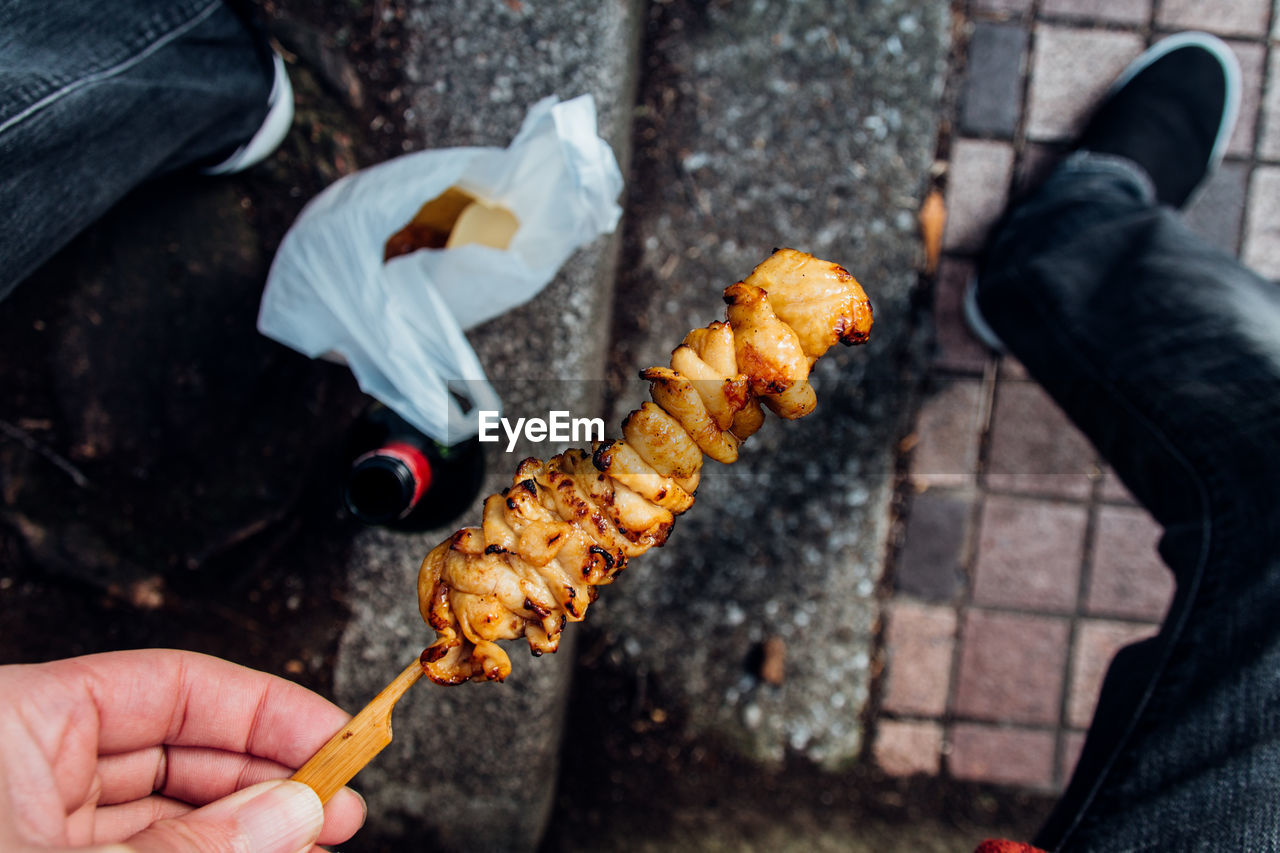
x: 398, y: 324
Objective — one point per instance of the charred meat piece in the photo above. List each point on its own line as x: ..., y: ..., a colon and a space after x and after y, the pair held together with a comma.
x: 569, y: 524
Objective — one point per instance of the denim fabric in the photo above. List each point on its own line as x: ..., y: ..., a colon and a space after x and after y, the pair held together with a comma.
x: 1166, y: 352
x: 97, y: 98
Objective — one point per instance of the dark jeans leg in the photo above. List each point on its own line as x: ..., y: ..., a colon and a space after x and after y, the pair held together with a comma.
x: 1166, y: 352
x: 97, y: 98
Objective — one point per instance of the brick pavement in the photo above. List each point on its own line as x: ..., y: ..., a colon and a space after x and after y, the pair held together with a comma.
x: 1023, y: 565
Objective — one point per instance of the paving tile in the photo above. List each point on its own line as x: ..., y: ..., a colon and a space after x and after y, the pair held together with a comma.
x: 977, y: 186
x: 1070, y: 69
x: 1117, y: 11
x: 992, y: 99
x: 1029, y: 554
x: 931, y: 563
x: 919, y: 640
x: 1253, y: 60
x: 1002, y: 8
x: 1113, y: 490
x: 1223, y: 17
x: 1034, y: 448
x: 947, y: 434
x: 905, y: 748
x: 1217, y: 213
x: 1097, y: 642
x: 1038, y: 159
x: 1011, y: 667
x: 1269, y: 144
x: 1128, y: 577
x: 1013, y: 370
x: 1262, y: 222
x: 1071, y: 745
x: 957, y: 349
x: 1003, y: 756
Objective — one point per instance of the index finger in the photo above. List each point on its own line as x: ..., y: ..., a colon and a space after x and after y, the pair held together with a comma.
x: 162, y: 696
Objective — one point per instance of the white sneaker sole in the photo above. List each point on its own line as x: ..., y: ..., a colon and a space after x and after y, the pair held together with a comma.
x: 976, y: 322
x: 275, y: 127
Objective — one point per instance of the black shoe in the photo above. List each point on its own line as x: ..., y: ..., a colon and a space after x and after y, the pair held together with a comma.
x: 1171, y: 112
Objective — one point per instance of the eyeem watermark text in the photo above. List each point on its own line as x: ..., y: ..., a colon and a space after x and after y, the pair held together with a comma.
x: 558, y: 426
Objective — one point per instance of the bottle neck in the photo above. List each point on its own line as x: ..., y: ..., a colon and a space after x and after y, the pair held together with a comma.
x: 387, y: 483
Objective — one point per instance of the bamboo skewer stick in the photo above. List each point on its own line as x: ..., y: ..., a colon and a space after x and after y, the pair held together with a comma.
x: 356, y: 743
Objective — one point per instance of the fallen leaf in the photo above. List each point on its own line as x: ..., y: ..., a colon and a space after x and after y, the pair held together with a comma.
x: 774, y: 660
x: 933, y: 219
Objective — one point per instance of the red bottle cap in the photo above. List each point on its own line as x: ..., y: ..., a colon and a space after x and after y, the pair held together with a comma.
x: 387, y: 483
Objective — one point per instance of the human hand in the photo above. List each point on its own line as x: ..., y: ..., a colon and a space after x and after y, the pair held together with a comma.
x: 161, y: 750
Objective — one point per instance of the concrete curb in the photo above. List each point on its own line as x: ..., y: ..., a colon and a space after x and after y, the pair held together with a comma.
x: 475, y: 767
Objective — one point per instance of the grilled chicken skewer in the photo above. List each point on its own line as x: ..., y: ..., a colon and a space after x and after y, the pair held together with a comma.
x: 571, y: 523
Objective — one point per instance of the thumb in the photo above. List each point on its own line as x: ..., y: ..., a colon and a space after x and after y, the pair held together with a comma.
x: 271, y: 817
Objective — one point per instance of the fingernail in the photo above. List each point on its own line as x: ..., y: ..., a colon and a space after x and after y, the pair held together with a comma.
x: 285, y: 818
x: 364, y: 807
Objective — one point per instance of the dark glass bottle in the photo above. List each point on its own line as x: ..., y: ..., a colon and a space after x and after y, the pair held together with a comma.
x: 400, y: 478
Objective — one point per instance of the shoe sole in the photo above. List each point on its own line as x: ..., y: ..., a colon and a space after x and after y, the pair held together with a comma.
x: 274, y: 128
x: 976, y: 322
